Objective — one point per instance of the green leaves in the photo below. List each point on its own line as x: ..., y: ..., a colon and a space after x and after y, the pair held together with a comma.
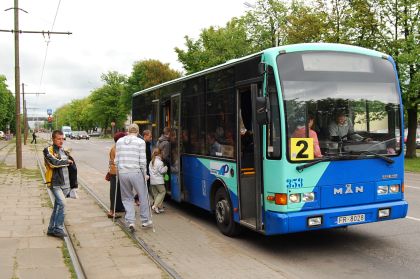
x: 215, y: 46
x: 145, y: 74
x: 7, y: 106
x: 112, y: 101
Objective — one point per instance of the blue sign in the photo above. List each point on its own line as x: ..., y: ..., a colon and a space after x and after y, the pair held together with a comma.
x: 49, y: 111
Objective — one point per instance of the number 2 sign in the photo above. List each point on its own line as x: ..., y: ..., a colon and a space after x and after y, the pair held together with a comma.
x: 301, y: 149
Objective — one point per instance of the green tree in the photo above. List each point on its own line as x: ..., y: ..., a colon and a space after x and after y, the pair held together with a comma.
x: 105, y: 101
x: 304, y: 24
x: 79, y: 114
x: 215, y: 46
x: 145, y: 74
x: 400, y: 37
x: 266, y: 23
x: 7, y: 106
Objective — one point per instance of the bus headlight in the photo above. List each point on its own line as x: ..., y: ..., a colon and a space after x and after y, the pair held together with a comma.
x: 308, y: 197
x: 394, y: 188
x: 314, y: 221
x: 294, y: 198
x: 384, y: 213
x: 382, y: 190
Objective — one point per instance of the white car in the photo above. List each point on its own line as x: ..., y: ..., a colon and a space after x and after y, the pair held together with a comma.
x: 1, y: 135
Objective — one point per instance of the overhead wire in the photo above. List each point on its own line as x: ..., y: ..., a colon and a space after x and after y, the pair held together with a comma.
x: 48, y: 43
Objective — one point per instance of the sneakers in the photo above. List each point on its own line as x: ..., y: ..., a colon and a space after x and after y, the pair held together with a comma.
x: 73, y: 194
x: 161, y: 210
x: 147, y: 224
x: 155, y: 209
x: 132, y: 227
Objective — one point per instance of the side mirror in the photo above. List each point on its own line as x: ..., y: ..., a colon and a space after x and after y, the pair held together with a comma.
x: 262, y: 68
x: 262, y: 114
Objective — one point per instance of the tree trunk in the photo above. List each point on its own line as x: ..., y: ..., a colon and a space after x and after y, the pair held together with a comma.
x: 411, y: 136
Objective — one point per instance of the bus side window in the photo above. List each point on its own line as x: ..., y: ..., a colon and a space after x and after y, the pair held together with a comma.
x: 273, y: 129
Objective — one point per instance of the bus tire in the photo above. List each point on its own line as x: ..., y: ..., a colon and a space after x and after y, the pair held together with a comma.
x: 224, y: 214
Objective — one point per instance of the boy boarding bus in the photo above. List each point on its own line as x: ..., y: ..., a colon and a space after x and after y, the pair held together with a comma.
x: 293, y: 138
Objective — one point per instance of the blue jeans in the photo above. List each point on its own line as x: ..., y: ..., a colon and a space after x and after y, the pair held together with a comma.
x: 57, y: 215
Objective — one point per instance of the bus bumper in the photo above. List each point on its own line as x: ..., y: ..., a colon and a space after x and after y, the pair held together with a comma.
x: 281, y: 223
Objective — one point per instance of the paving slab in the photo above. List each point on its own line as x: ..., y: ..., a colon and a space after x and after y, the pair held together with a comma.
x: 103, y: 248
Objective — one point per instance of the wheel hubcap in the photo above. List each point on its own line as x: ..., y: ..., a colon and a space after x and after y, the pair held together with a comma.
x: 221, y: 211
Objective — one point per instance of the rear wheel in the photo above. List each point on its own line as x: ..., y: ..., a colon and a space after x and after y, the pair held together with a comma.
x: 224, y: 214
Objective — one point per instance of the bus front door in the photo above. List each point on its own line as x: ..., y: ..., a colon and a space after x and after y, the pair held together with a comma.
x: 249, y: 186
x: 175, y: 116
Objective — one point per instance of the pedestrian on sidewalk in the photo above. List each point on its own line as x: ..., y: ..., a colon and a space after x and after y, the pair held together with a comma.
x: 157, y: 184
x: 131, y: 165
x: 115, y: 187
x: 61, y: 176
x: 33, y: 137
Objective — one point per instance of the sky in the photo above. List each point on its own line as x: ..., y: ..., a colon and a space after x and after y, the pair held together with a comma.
x: 108, y: 35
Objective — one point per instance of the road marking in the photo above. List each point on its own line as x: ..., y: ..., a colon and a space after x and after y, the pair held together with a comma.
x: 417, y: 188
x: 412, y: 218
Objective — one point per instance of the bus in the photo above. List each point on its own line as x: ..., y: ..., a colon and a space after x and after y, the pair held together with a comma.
x: 252, y: 139
x: 66, y: 131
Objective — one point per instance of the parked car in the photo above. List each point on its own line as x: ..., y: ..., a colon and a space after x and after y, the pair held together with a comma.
x: 1, y: 135
x: 95, y: 134
x: 83, y: 135
x: 74, y: 135
x: 417, y: 137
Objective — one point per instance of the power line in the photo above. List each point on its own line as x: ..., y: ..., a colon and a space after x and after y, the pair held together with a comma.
x: 48, y: 43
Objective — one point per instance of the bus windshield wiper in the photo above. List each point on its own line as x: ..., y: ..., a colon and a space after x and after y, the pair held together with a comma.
x: 385, y: 158
x: 310, y: 164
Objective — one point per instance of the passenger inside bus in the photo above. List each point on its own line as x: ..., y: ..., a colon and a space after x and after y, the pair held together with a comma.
x: 300, y: 132
x: 215, y: 149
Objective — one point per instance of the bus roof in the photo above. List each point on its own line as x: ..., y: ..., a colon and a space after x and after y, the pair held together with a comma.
x: 273, y: 51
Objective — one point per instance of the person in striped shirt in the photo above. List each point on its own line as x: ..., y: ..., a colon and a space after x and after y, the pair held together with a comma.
x: 131, y: 164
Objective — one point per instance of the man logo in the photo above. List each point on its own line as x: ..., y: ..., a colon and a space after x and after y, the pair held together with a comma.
x: 348, y: 190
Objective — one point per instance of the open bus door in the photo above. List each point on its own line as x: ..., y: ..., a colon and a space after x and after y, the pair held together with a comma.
x: 249, y: 157
x: 175, y: 117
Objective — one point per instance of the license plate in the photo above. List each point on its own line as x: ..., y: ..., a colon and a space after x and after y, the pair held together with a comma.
x: 351, y: 219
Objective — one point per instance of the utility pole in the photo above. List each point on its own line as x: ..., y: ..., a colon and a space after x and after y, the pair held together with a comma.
x: 25, y: 121
x: 16, y: 31
x: 17, y: 92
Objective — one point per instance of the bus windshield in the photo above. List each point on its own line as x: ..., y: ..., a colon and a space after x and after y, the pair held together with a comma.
x: 347, y: 103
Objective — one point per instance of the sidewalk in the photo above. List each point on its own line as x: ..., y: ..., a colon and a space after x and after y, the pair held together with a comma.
x: 25, y: 250
x: 104, y: 250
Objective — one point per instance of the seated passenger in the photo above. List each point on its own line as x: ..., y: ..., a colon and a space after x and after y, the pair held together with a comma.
x: 215, y: 149
x: 300, y: 132
x: 343, y: 128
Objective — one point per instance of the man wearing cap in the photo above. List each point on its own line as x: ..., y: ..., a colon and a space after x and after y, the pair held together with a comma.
x: 131, y: 164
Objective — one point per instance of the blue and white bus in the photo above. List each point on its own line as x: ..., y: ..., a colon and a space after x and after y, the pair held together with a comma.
x: 255, y: 140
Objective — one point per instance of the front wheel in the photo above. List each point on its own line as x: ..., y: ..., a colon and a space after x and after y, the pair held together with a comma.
x: 224, y: 214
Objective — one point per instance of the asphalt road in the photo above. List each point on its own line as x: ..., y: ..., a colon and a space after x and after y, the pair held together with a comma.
x: 381, y: 250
